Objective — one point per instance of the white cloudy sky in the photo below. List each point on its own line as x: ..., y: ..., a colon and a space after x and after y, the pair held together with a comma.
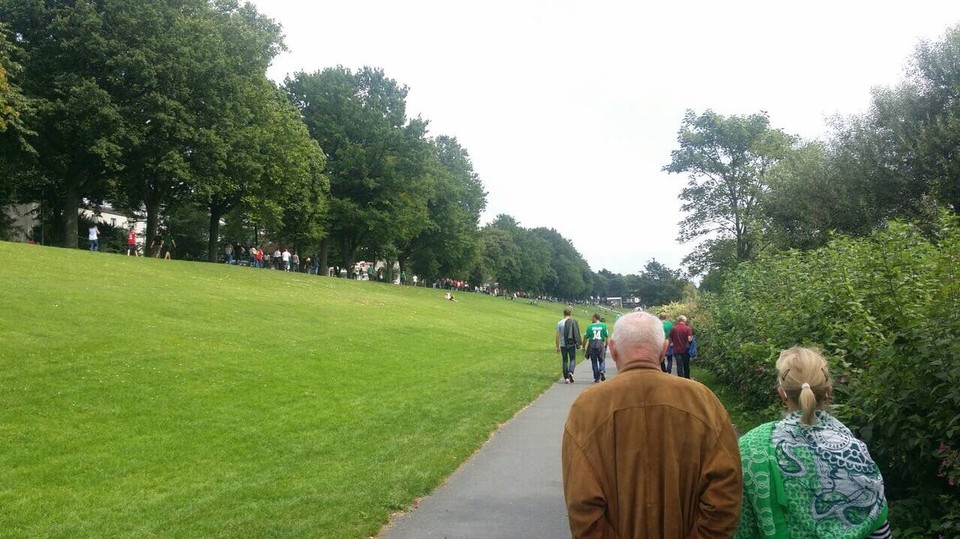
x: 570, y: 109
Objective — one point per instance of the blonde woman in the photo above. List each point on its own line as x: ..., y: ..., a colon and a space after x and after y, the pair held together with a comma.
x: 807, y: 476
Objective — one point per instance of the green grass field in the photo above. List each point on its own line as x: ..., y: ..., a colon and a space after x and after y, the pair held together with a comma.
x: 142, y: 397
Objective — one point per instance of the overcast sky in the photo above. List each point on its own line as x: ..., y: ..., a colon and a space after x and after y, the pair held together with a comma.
x: 569, y: 110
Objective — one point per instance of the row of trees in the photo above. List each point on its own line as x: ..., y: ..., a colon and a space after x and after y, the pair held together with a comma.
x: 753, y: 188
x: 163, y: 108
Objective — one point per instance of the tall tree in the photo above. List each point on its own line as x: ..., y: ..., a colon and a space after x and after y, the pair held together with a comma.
x: 377, y: 159
x: 15, y: 150
x: 448, y: 243
x: 919, y: 121
x: 62, y: 47
x: 569, y: 276
x: 658, y: 285
x: 727, y: 161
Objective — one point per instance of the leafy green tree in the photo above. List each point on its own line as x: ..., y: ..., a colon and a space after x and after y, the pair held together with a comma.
x: 12, y: 101
x: 62, y: 47
x: 15, y: 150
x: 378, y: 161
x: 448, y: 245
x: 727, y: 160
x: 499, y: 258
x: 659, y: 285
x: 569, y: 275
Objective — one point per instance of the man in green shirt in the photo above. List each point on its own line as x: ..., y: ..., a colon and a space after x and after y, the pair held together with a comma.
x: 666, y: 365
x: 595, y: 347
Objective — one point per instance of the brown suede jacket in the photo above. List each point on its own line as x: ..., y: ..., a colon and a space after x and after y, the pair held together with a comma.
x: 648, y: 454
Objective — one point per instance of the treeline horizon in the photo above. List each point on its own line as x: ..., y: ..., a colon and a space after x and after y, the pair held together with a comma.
x: 163, y: 109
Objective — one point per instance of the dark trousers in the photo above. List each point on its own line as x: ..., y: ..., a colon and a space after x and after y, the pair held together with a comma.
x: 667, y: 364
x: 595, y: 355
x: 683, y: 364
x: 568, y: 355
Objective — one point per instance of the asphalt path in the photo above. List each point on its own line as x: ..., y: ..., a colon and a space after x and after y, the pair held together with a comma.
x: 511, y: 487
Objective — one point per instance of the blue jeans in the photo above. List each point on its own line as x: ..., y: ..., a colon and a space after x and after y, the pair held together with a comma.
x: 94, y: 245
x: 568, y: 355
x: 596, y: 361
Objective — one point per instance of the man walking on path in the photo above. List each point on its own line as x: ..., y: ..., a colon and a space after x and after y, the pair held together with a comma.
x: 568, y: 341
x: 667, y: 364
x: 680, y: 336
x: 595, y: 347
x: 646, y: 454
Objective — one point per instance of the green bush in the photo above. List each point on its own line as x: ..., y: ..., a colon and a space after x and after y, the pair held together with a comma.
x: 886, y: 312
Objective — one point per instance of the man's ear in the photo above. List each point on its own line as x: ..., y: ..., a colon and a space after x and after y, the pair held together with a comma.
x: 612, y: 345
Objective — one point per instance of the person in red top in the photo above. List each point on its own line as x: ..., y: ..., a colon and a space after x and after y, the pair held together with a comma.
x: 680, y: 336
x: 132, y: 242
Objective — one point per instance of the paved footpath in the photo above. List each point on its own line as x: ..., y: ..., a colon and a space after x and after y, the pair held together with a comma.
x: 512, y: 487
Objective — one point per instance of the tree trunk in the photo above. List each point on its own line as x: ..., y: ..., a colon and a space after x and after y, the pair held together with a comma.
x: 153, y: 219
x: 71, y: 207
x: 347, y: 255
x: 213, y: 244
x: 324, y: 256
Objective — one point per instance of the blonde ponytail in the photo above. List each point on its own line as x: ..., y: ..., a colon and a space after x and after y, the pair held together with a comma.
x: 805, y: 380
x: 808, y: 403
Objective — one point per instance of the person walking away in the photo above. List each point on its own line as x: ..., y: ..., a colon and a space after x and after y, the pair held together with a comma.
x: 132, y: 242
x: 595, y: 347
x: 568, y: 341
x: 285, y: 257
x: 680, y: 336
x: 646, y: 454
x: 168, y: 245
x: 806, y: 476
x: 667, y: 364
x: 93, y: 236
x: 296, y: 261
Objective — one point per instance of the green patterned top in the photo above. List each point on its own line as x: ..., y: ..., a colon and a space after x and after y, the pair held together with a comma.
x: 802, y: 481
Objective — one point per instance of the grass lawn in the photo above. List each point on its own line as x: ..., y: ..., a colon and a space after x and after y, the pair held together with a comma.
x: 142, y: 397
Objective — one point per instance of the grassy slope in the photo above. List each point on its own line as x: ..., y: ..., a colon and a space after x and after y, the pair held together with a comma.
x: 149, y: 397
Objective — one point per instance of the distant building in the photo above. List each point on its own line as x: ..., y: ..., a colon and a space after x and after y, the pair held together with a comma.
x: 27, y: 216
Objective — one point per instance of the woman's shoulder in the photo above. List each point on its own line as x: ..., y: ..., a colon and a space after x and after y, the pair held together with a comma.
x: 758, y: 436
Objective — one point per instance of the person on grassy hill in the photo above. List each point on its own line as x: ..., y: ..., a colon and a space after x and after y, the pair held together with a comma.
x: 806, y: 476
x: 93, y: 236
x: 647, y: 454
x: 595, y: 347
x: 568, y: 341
x: 667, y: 364
x: 132, y: 242
x: 167, y: 244
x: 680, y: 336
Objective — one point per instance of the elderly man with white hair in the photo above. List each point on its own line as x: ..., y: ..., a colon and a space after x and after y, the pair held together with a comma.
x: 647, y: 454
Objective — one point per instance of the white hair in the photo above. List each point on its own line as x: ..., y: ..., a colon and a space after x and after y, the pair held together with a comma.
x: 639, y: 330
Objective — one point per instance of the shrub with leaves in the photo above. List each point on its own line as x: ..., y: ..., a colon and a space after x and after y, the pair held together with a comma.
x: 886, y: 312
